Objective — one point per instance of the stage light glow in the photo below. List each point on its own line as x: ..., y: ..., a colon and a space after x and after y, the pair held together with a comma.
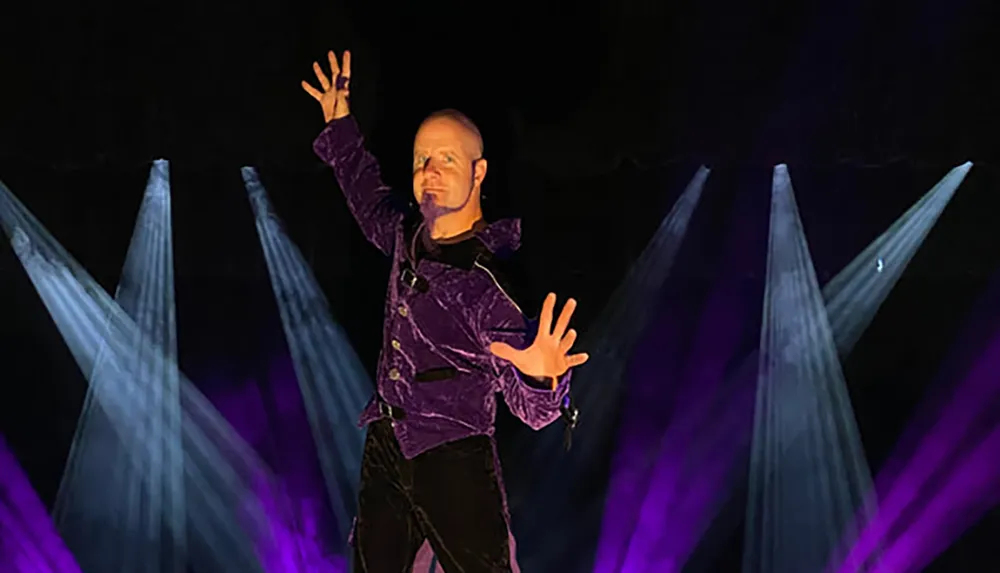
x: 808, y: 473
x: 662, y: 509
x: 299, y: 548
x: 708, y: 433
x: 222, y: 475
x: 143, y: 513
x: 854, y: 296
x: 598, y: 388
x: 972, y: 488
x: 334, y: 384
x: 28, y: 539
x: 943, y: 474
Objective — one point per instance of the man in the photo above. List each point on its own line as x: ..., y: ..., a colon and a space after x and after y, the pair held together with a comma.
x: 454, y: 338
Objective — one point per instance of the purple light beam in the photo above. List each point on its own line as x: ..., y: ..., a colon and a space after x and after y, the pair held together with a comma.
x: 28, y: 538
x: 904, y: 485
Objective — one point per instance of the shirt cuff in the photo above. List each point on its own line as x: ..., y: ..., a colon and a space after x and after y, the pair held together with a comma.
x: 337, y: 136
x: 544, y: 386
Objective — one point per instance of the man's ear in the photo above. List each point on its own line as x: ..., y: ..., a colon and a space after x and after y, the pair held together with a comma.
x: 479, y: 171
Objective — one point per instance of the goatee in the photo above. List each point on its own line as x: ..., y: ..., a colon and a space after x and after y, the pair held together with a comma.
x: 430, y: 210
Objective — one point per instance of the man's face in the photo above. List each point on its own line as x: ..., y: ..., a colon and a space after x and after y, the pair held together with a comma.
x: 443, y: 152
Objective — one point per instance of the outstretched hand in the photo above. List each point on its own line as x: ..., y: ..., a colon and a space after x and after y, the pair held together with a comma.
x: 548, y: 356
x: 334, y: 94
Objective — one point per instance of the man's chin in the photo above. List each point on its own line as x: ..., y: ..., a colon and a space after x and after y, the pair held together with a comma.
x: 430, y: 209
x: 432, y: 206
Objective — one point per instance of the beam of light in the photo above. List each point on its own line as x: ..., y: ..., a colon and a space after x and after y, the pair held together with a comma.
x: 864, y: 292
x: 28, y: 539
x: 145, y: 511
x: 599, y: 385
x: 299, y: 545
x: 334, y: 384
x: 941, y: 481
x: 222, y: 475
x: 808, y: 473
x: 663, y: 512
x: 972, y: 489
x: 711, y: 433
x: 297, y: 549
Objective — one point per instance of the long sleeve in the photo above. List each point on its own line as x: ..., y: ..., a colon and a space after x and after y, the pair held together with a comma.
x: 377, y: 211
x: 537, y: 405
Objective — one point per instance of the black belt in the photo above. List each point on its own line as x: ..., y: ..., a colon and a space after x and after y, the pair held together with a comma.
x: 388, y: 411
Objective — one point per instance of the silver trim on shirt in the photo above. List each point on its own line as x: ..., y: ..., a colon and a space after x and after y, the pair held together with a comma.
x: 497, y: 283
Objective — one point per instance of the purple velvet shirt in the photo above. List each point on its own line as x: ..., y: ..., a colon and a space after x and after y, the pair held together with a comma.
x: 447, y: 329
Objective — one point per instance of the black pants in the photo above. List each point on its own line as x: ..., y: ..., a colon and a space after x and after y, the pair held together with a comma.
x: 449, y: 495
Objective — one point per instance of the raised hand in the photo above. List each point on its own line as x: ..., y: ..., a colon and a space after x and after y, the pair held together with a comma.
x: 548, y: 356
x: 335, y: 90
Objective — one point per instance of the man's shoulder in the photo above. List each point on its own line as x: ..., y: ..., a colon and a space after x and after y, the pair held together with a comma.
x: 502, y: 236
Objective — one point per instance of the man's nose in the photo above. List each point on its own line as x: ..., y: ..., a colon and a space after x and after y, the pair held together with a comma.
x: 429, y: 174
x: 434, y: 163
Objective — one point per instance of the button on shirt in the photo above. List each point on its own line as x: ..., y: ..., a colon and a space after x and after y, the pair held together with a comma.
x: 436, y: 364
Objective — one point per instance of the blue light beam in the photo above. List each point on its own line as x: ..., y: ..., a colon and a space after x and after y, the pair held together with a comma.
x: 146, y: 512
x: 856, y: 293
x: 808, y: 473
x: 334, y: 384
x: 224, y: 480
x: 599, y: 387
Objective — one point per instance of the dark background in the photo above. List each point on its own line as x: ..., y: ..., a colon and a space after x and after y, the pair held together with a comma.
x: 595, y: 115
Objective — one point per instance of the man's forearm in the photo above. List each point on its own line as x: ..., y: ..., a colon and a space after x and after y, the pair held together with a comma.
x: 341, y: 146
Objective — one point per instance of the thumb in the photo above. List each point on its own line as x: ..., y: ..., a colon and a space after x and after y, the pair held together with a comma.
x: 503, y: 350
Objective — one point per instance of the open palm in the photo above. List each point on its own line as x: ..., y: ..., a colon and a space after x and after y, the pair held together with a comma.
x: 335, y: 90
x: 548, y: 356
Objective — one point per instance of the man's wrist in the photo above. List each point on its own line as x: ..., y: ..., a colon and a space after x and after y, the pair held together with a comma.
x: 540, y: 382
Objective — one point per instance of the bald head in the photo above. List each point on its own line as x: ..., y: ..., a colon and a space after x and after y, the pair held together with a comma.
x: 472, y: 138
x: 448, y: 170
